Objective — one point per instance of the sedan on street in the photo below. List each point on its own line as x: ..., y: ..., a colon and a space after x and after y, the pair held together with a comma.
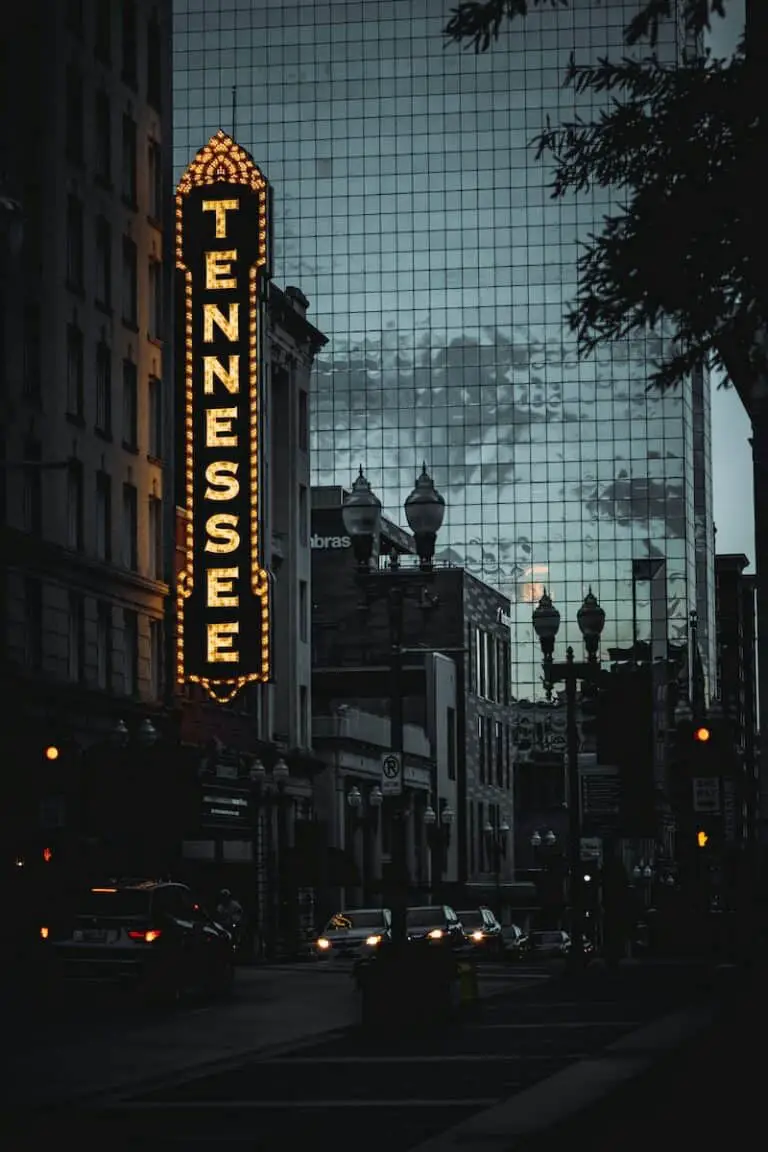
x: 482, y: 931
x: 354, y: 934
x: 434, y: 924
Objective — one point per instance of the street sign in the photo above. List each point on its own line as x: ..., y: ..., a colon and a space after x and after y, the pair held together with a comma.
x: 706, y: 794
x: 391, y: 775
x: 592, y: 848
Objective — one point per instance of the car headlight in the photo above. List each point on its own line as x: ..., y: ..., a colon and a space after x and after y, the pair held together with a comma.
x: 436, y: 934
x: 478, y: 936
x: 372, y: 941
x: 323, y: 944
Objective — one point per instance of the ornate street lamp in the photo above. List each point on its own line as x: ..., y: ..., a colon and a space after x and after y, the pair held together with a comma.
x: 147, y: 734
x: 354, y: 797
x: 361, y: 513
x: 425, y: 511
x: 546, y: 623
x: 591, y: 620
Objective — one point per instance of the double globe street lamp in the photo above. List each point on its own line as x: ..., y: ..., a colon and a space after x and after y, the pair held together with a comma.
x: 439, y: 834
x: 546, y: 623
x: 424, y: 511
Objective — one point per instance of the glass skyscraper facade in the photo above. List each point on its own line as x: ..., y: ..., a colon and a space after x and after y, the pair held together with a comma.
x: 411, y: 210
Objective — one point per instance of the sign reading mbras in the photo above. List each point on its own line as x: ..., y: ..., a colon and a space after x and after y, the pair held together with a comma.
x: 222, y: 261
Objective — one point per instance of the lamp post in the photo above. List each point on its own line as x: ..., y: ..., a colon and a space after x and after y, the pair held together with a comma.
x: 439, y: 833
x: 546, y: 622
x: 268, y: 793
x: 496, y: 837
x: 424, y: 510
x: 365, y: 815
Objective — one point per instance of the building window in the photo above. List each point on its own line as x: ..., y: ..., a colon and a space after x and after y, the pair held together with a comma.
x: 74, y: 371
x: 303, y: 515
x: 481, y: 747
x: 75, y: 505
x: 155, y: 159
x: 103, y: 277
x: 33, y: 624
x: 303, y: 716
x: 103, y: 32
x: 74, y: 114
x: 156, y: 658
x: 508, y: 758
x: 303, y: 421
x: 103, y: 516
x: 130, y: 406
x: 499, y: 731
x: 489, y: 750
x: 104, y: 646
x: 103, y: 388
x: 130, y: 284
x: 450, y: 734
x: 74, y: 243
x: 32, y: 359
x: 155, y: 395
x: 103, y: 134
x: 471, y: 827
x: 481, y: 846
x: 130, y: 528
x: 490, y: 658
x: 32, y: 499
x: 156, y: 299
x: 303, y: 610
x: 129, y: 161
x: 129, y: 41
x: 154, y: 64
x: 131, y: 652
x: 76, y: 637
x: 155, y: 538
x: 480, y: 654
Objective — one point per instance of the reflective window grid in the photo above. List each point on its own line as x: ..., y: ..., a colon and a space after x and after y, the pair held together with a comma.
x: 411, y: 210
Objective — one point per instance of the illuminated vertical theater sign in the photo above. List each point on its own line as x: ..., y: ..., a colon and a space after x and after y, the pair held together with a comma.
x: 222, y: 258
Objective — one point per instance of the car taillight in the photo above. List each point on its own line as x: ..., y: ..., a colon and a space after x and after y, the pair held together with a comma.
x: 147, y: 937
x: 436, y: 934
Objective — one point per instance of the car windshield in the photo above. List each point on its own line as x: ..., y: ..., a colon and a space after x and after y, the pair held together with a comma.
x: 344, y: 921
x: 422, y: 917
x: 116, y: 902
x: 472, y: 919
x: 548, y: 937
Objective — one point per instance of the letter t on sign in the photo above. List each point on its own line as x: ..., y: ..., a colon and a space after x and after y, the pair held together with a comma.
x: 221, y: 207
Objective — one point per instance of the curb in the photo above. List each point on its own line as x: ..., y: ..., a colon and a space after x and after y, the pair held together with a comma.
x: 559, y: 1098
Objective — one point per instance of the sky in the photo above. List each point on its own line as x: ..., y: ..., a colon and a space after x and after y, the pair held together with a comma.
x: 731, y: 453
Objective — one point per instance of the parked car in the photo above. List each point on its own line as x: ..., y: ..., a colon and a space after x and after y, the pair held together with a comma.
x: 154, y: 934
x: 517, y: 944
x: 550, y: 944
x: 482, y: 931
x: 354, y: 933
x: 434, y: 924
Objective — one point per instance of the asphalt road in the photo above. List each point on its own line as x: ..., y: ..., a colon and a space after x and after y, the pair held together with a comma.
x: 358, y: 1089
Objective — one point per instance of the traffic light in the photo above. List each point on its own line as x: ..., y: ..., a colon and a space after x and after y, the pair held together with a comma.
x: 47, y: 855
x: 702, y: 838
x: 702, y: 734
x: 52, y: 752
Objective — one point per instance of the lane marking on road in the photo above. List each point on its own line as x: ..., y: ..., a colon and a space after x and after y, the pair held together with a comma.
x: 282, y: 1105
x: 560, y: 1024
x: 466, y: 1058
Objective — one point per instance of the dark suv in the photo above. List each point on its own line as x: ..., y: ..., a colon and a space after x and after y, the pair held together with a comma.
x: 152, y: 933
x: 435, y: 924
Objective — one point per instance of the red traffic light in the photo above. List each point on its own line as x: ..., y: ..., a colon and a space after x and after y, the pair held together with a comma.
x: 702, y: 735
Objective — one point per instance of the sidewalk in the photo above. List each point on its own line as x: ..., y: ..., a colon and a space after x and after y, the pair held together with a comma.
x: 270, y: 1011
